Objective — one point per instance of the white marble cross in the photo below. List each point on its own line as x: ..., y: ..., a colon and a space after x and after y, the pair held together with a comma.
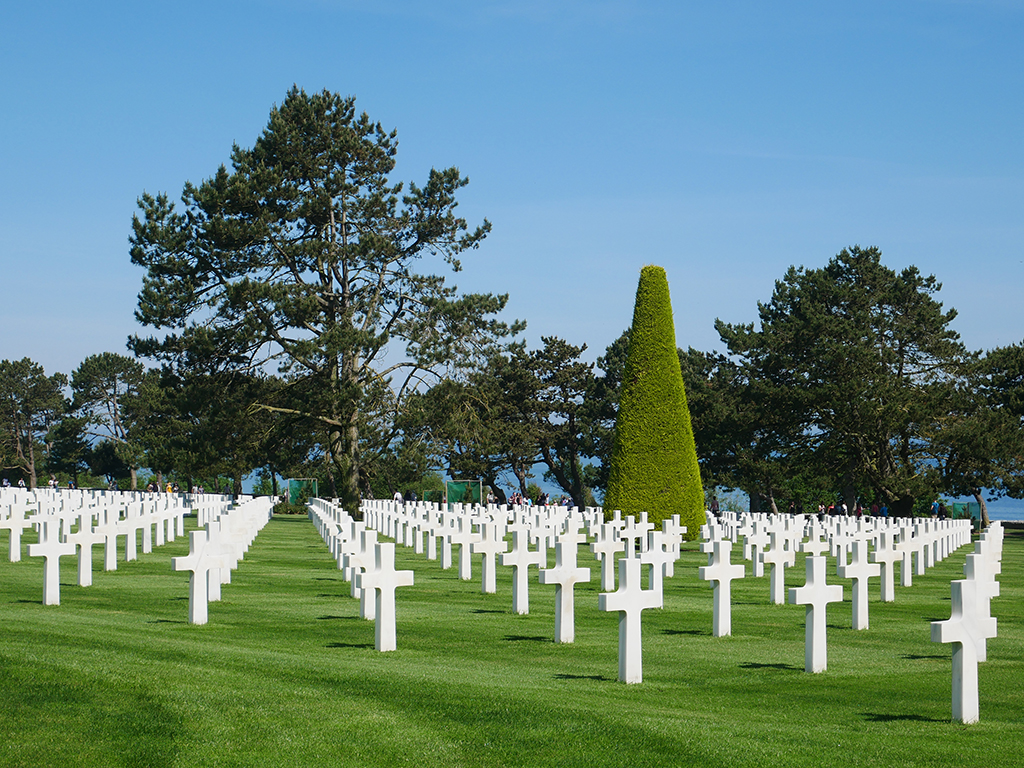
x: 672, y: 532
x: 814, y: 545
x: 384, y: 579
x: 860, y: 570
x: 83, y: 539
x: 359, y: 561
x: 565, y: 575
x: 721, y: 573
x: 816, y: 595
x: 779, y: 558
x: 977, y: 570
x: 657, y: 556
x: 199, y: 561
x: 634, y: 531
x: 757, y: 540
x: 604, y: 550
x: 521, y: 558
x: 51, y: 548
x: 463, y: 537
x: 15, y: 522
x: 886, y: 555
x: 490, y: 545
x: 965, y: 627
x: 629, y: 600
x: 109, y: 528
x: 905, y: 546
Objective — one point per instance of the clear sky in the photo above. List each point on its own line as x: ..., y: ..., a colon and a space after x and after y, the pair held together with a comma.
x: 722, y: 140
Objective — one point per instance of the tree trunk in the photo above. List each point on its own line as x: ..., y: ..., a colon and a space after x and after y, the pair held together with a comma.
x: 976, y: 492
x: 135, y: 479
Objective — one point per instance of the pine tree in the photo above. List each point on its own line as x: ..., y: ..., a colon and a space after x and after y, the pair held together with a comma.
x: 654, y: 460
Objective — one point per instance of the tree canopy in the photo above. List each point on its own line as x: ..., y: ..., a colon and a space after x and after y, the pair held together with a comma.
x: 304, y: 255
x: 848, y: 364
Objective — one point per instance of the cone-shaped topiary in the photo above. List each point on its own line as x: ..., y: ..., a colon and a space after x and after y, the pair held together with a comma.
x: 654, y: 460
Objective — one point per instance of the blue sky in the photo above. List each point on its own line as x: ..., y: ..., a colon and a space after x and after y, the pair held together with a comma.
x: 724, y: 141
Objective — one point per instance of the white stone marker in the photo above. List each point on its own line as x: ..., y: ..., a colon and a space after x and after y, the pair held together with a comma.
x: 604, y: 550
x: 905, y: 546
x: 860, y: 570
x: 109, y: 528
x: 361, y: 561
x: 721, y: 573
x: 564, y: 576
x: 633, y: 531
x: 463, y: 537
x: 490, y: 545
x: 779, y: 559
x: 816, y: 595
x: 815, y: 545
x: 657, y: 556
x: 15, y: 523
x: 83, y: 539
x: 629, y: 600
x: 673, y: 532
x: 976, y: 570
x: 965, y: 627
x: 886, y: 555
x: 384, y: 580
x: 521, y: 558
x: 757, y: 541
x: 199, y: 561
x: 51, y: 548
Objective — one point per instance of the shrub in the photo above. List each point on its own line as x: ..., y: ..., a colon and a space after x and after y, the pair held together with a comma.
x: 654, y: 460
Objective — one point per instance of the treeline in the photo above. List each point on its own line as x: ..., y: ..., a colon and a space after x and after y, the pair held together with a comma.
x: 851, y: 387
x: 300, y: 328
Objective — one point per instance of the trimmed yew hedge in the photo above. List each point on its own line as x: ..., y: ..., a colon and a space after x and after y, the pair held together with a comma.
x: 654, y: 461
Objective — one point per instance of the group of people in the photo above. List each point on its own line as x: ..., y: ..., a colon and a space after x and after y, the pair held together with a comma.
x: 154, y: 487
x: 858, y: 511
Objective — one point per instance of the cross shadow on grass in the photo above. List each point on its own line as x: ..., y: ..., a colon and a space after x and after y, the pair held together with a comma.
x: 686, y: 632
x: 349, y: 645
x: 780, y: 667
x: 922, y: 657
x: 487, y: 610
x: 597, y: 678
x: 334, y: 618
x: 324, y: 578
x: 167, y: 621
x: 528, y: 638
x: 879, y: 717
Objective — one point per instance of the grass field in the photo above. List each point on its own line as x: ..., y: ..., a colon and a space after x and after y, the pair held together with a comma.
x: 285, y: 673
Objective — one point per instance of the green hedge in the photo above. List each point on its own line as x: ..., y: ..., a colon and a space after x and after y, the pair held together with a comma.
x: 654, y: 461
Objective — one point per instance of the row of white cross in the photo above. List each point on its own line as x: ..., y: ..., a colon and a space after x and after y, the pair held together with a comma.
x: 216, y: 548
x: 771, y: 540
x: 863, y: 549
x: 73, y: 521
x: 482, y: 531
x: 971, y: 624
x: 927, y: 542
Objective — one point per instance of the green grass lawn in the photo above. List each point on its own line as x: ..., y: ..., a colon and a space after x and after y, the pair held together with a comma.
x: 285, y: 673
